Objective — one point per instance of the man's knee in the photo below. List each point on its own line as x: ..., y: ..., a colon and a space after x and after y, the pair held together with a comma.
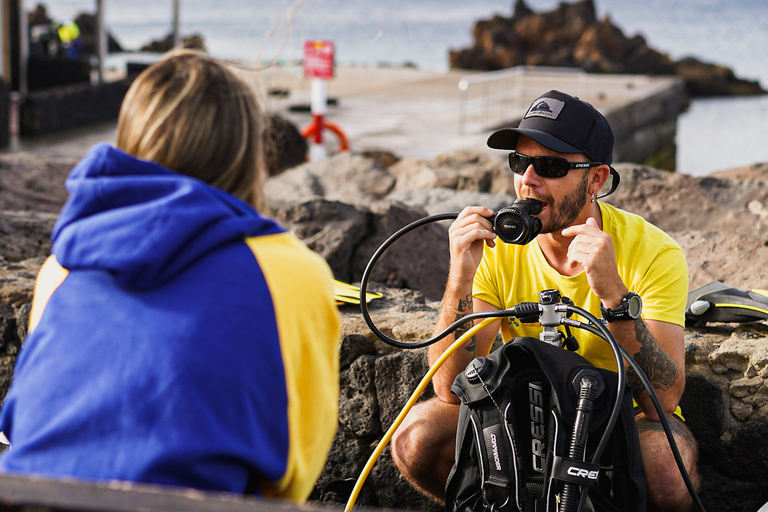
x: 667, y: 490
x: 428, y: 431
x: 424, y: 444
x: 405, y: 444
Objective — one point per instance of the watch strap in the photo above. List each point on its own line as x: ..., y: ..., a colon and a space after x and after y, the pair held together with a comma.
x: 621, y: 312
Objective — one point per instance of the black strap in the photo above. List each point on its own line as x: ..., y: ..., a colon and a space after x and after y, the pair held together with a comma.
x: 614, y: 183
x: 497, y: 482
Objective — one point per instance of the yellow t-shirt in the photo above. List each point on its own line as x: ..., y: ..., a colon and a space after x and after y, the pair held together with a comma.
x: 649, y: 262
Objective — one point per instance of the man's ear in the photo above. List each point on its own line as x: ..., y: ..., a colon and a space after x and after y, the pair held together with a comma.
x: 600, y: 175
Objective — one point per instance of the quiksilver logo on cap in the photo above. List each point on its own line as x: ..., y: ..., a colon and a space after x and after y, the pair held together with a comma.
x: 545, y: 107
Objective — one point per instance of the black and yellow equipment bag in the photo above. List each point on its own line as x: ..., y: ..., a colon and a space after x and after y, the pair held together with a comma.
x: 718, y: 302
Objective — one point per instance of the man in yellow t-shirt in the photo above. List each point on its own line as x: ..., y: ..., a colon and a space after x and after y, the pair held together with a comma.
x: 597, y: 255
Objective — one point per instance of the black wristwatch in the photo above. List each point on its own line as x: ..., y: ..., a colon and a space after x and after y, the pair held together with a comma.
x: 629, y: 309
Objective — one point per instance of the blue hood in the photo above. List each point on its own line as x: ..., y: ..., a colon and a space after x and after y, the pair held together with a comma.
x: 143, y: 223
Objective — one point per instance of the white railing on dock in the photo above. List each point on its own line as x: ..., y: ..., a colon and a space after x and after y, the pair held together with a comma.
x: 492, y: 99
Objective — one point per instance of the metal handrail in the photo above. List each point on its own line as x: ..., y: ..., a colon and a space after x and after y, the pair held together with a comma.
x: 495, y: 98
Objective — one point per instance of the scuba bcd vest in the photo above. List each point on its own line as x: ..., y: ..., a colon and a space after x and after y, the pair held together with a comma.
x: 516, y: 437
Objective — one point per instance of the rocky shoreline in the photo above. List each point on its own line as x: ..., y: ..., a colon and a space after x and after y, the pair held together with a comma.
x: 571, y: 35
x: 345, y: 206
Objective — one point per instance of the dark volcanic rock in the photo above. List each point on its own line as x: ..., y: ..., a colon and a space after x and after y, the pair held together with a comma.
x: 705, y: 79
x: 721, y: 221
x: 330, y: 228
x: 419, y: 260
x: 345, y: 177
x: 285, y: 147
x: 25, y: 235
x: 358, y: 404
x: 29, y: 182
x: 678, y: 202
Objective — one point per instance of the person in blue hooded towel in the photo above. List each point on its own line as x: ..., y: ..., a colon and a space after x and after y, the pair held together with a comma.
x: 177, y: 336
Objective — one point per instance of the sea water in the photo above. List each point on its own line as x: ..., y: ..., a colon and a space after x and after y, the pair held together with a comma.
x: 713, y: 134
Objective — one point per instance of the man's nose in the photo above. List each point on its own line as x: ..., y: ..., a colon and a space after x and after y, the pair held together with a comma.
x: 530, y: 177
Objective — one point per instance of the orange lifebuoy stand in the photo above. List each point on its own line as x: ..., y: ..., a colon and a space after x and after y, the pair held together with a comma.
x: 319, y: 67
x: 316, y: 127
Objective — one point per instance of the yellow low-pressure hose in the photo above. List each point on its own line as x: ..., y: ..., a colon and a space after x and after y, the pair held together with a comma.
x: 411, y: 402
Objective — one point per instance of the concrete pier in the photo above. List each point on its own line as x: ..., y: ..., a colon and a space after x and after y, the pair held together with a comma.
x: 417, y: 114
x: 421, y: 114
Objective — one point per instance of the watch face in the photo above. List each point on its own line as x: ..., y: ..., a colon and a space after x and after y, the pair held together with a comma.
x: 635, y: 305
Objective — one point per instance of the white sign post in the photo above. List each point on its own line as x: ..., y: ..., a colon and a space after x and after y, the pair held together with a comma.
x: 318, y: 66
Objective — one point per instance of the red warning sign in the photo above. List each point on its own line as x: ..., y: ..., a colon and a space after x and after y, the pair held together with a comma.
x: 318, y: 59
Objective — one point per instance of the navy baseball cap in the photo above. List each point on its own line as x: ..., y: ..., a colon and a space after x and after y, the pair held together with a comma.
x: 562, y: 123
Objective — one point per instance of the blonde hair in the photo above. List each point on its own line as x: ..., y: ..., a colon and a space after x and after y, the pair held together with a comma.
x: 192, y: 114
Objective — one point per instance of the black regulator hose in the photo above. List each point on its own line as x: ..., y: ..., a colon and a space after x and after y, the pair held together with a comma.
x: 604, y: 333
x: 596, y: 327
x: 526, y: 309
x: 667, y: 429
x: 515, y: 224
x: 367, y: 275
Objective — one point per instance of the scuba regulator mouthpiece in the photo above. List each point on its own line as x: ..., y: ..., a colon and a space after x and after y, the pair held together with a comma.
x: 516, y: 224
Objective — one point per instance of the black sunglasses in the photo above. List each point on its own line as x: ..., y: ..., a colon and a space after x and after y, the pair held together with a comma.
x: 546, y: 166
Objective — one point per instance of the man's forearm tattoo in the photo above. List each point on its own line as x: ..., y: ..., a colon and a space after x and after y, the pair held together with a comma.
x: 657, y: 365
x: 463, y: 309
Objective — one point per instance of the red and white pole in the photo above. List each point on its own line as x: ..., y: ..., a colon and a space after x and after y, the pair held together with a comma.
x: 319, y: 106
x: 318, y: 66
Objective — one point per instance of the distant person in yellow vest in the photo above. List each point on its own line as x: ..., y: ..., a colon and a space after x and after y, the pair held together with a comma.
x: 71, y: 39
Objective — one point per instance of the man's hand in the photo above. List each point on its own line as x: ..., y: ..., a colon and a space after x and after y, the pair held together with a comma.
x: 656, y: 346
x: 468, y: 234
x: 471, y: 229
x: 592, y: 248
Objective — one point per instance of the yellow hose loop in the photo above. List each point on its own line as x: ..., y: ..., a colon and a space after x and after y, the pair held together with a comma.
x: 411, y: 402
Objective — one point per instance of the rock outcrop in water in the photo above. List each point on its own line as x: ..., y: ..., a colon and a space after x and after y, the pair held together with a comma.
x: 571, y: 35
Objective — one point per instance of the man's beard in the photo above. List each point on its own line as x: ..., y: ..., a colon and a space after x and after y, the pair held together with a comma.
x: 568, y: 209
